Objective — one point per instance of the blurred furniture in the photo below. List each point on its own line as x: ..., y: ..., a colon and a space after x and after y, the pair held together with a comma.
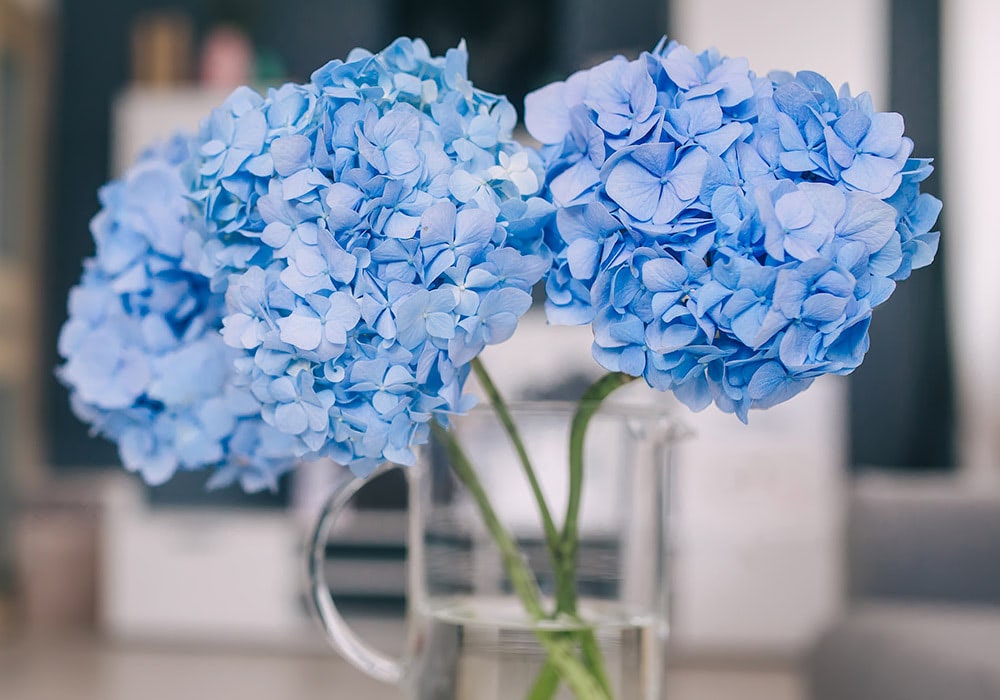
x: 185, y: 574
x: 143, y: 115
x: 56, y: 553
x: 757, y: 527
x: 25, y: 67
x: 924, y: 621
x: 25, y: 74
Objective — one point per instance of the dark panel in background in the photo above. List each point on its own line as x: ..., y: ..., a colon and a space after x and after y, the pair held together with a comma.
x: 92, y: 62
x: 902, y: 411
x: 308, y: 34
x: 510, y: 51
x: 590, y: 31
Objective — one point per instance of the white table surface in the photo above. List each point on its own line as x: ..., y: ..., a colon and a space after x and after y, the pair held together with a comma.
x: 85, y: 669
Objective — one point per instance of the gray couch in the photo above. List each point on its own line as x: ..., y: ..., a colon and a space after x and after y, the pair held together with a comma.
x: 923, y: 622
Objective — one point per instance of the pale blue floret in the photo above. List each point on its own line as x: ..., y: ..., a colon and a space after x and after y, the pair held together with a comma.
x: 389, y: 230
x: 726, y: 235
x: 357, y: 240
x: 145, y: 363
x: 313, y: 273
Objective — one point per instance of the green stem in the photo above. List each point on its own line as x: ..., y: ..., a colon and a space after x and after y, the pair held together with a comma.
x: 503, y: 413
x: 570, y: 540
x: 545, y: 688
x: 547, y: 683
x: 561, y: 653
x: 593, y: 659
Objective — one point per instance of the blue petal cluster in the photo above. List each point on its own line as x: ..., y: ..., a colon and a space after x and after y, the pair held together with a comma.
x: 373, y: 230
x: 726, y: 235
x: 144, y: 358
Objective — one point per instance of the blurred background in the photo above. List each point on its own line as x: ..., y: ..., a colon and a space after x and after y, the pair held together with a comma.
x: 841, y: 539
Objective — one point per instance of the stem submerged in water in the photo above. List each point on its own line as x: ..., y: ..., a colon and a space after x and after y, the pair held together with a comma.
x: 547, y: 683
x: 587, y: 678
x: 561, y: 651
x: 569, y: 543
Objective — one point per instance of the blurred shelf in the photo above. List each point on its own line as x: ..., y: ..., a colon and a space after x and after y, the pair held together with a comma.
x: 145, y: 115
x: 26, y: 32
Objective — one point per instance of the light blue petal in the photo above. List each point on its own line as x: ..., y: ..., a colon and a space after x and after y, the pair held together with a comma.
x: 291, y: 418
x: 545, y: 113
x: 290, y: 154
x: 634, y: 189
x: 663, y: 274
x: 442, y: 325
x: 302, y: 329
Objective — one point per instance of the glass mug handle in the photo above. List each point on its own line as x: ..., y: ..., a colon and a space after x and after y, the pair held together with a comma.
x: 338, y: 632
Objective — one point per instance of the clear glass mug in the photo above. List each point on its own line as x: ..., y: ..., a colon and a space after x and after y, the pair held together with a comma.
x: 470, y: 636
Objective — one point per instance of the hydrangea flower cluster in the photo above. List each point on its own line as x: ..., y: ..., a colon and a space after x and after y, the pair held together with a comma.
x: 313, y: 273
x: 726, y: 235
x: 373, y: 230
x: 145, y: 361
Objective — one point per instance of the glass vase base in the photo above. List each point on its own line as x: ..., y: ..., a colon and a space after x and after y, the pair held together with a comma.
x: 481, y: 648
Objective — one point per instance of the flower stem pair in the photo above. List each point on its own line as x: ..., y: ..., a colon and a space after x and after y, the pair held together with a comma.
x: 563, y: 545
x: 561, y: 654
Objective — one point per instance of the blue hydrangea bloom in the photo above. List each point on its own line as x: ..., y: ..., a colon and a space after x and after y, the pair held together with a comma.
x: 144, y: 359
x: 726, y: 235
x: 372, y: 230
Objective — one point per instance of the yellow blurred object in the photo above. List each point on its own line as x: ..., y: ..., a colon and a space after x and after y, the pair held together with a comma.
x: 26, y: 56
x: 162, y: 49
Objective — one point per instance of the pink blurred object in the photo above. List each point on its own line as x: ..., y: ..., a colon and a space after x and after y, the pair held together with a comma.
x: 227, y: 58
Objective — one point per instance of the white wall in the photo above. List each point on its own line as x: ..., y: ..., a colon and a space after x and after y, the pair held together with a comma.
x: 847, y: 40
x: 759, y: 518
x: 970, y: 105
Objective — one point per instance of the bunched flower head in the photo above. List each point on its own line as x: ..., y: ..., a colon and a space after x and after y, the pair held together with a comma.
x: 726, y: 235
x: 145, y: 361
x: 373, y: 230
